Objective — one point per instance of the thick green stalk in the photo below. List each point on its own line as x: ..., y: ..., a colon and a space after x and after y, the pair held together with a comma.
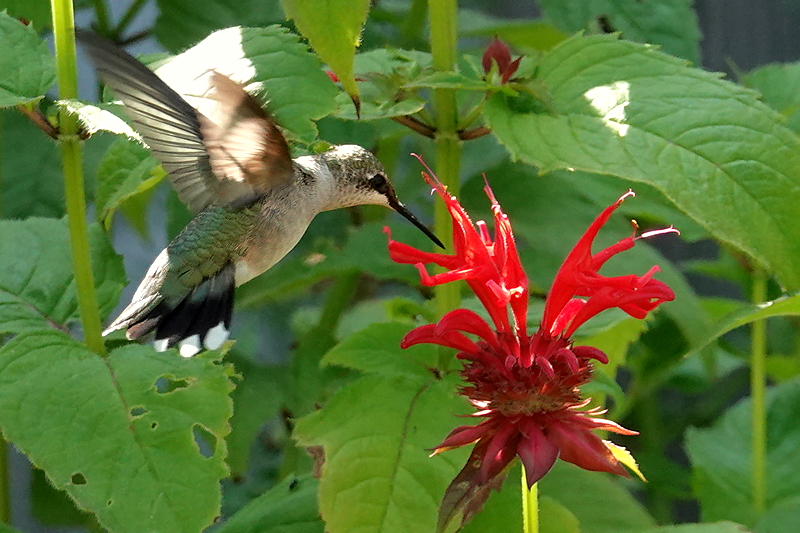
x: 442, y: 14
x: 530, y: 506
x: 72, y: 163
x: 758, y: 386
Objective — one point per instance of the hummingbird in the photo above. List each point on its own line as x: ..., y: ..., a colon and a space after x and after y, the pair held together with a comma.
x: 251, y: 201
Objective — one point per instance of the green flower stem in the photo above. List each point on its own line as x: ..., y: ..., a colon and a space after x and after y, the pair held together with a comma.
x: 72, y: 163
x: 758, y: 388
x: 338, y: 299
x: 100, y: 13
x: 530, y: 505
x: 442, y: 14
x: 128, y: 17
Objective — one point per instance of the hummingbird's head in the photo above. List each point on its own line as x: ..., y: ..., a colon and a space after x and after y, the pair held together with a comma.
x: 361, y: 179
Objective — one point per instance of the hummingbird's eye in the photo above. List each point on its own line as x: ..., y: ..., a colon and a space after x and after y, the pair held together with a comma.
x: 379, y: 183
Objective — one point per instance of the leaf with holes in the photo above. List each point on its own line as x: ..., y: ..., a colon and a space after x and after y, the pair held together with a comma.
x: 27, y: 69
x: 377, y: 434
x: 37, y: 289
x: 137, y: 438
x: 710, y: 146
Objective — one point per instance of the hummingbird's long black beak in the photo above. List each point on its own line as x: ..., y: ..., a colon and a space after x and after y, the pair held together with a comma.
x: 395, y: 204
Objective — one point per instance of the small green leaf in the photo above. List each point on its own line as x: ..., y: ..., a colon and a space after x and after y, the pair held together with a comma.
x: 383, y: 93
x: 597, y: 500
x: 533, y: 35
x: 625, y: 109
x: 778, y: 84
x: 670, y: 23
x: 37, y: 289
x: 377, y: 433
x: 624, y: 456
x: 36, y: 11
x: 288, y: 507
x: 27, y: 69
x: 137, y: 438
x: 333, y: 27
x: 376, y: 349
x: 784, y: 306
x: 127, y: 169
x: 721, y: 459
x: 94, y: 118
x: 287, y: 75
x: 449, y: 80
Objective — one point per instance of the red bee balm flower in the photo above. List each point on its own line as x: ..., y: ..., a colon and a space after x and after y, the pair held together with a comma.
x: 526, y: 387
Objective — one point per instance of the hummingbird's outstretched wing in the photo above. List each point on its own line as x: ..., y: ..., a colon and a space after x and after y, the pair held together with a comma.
x: 208, y: 162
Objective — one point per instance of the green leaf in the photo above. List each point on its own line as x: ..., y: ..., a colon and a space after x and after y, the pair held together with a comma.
x: 595, y: 499
x: 555, y: 518
x: 503, y: 510
x: 126, y: 170
x: 98, y: 118
x: 37, y: 289
x: 333, y: 27
x: 182, y: 23
x: 449, y: 80
x: 36, y: 11
x: 27, y: 69
x: 377, y: 433
x: 288, y: 507
x: 721, y: 459
x: 778, y: 84
x: 120, y: 431
x: 32, y: 183
x: 784, y: 306
x: 256, y: 400
x: 530, y: 35
x: 625, y: 109
x: 288, y: 76
x: 719, y: 527
x: 670, y: 23
x: 383, y: 93
x: 376, y: 349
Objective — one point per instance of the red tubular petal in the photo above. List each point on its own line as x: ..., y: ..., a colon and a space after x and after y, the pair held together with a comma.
x: 568, y: 356
x: 468, y: 322
x: 589, y: 352
x: 501, y: 450
x: 537, y: 453
x: 546, y: 367
x: 583, y: 448
x: 427, y: 334
x: 601, y: 423
x: 464, y: 435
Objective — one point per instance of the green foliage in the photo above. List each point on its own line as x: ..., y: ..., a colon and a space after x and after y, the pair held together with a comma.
x: 27, y: 69
x: 122, y: 430
x: 139, y: 440
x: 671, y: 24
x: 333, y: 27
x: 37, y: 289
x: 722, y: 472
x: 608, y: 103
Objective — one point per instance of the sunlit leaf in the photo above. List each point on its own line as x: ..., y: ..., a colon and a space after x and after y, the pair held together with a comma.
x: 625, y: 109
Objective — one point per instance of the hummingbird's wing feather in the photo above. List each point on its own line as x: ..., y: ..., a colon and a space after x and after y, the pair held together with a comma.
x: 203, y: 165
x: 248, y: 152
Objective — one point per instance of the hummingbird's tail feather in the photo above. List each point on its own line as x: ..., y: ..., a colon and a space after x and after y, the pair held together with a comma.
x: 202, y: 320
